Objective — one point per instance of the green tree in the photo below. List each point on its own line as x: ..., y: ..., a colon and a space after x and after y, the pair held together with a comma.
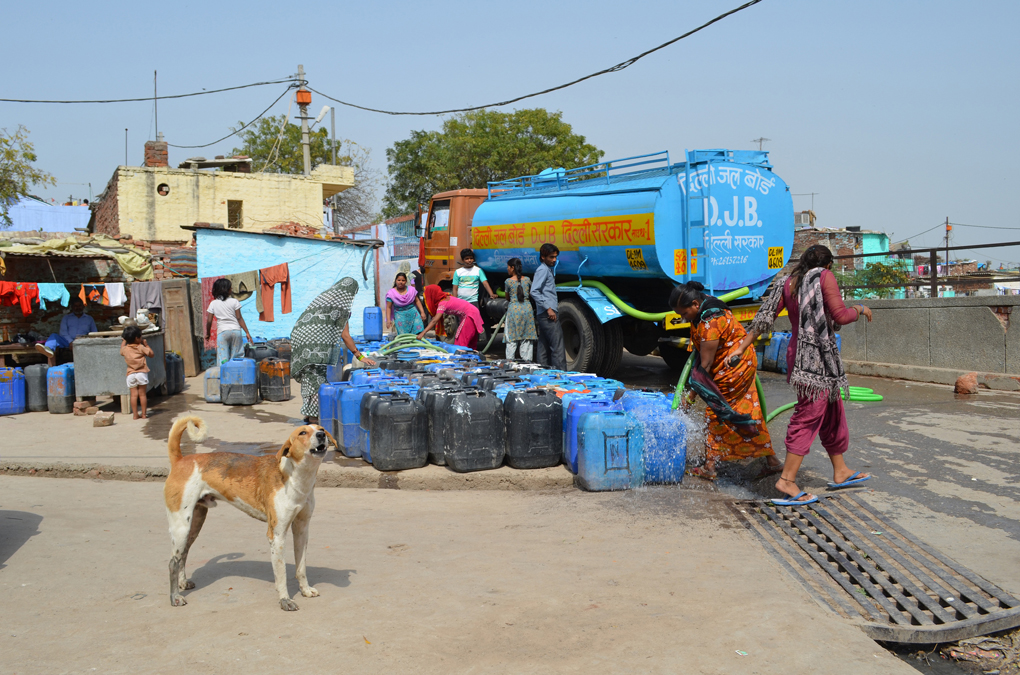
x: 16, y: 171
x: 477, y: 147
x: 275, y: 147
x: 875, y: 274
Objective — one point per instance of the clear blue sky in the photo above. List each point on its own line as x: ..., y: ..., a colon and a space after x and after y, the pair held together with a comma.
x: 898, y: 114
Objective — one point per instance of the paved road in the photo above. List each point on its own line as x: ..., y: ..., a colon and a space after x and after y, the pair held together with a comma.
x: 410, y: 581
x: 945, y: 465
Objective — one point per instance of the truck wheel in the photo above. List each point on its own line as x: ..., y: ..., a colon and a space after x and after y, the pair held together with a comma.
x: 640, y: 337
x: 612, y: 333
x: 580, y: 339
x: 675, y: 357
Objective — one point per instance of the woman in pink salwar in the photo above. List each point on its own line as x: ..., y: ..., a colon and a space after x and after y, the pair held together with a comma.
x: 811, y: 296
x: 470, y: 324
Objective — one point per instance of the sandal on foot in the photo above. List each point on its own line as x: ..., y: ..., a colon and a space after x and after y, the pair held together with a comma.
x: 701, y: 472
x: 795, y: 500
x: 852, y: 480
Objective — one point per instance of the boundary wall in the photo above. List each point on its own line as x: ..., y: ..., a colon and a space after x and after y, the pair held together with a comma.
x: 936, y: 340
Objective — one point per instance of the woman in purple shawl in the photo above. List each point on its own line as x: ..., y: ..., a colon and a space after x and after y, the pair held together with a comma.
x: 406, y: 312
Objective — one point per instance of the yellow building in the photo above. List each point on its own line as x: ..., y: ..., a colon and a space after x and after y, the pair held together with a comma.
x: 153, y: 202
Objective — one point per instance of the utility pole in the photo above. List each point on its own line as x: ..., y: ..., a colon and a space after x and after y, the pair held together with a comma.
x: 332, y: 131
x: 125, y: 147
x: 155, y: 102
x: 332, y: 200
x: 304, y: 98
x: 949, y: 228
x: 761, y: 141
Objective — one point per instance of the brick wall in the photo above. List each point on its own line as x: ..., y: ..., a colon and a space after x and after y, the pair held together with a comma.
x: 297, y: 230
x: 105, y: 212
x: 156, y: 154
x: 161, y: 252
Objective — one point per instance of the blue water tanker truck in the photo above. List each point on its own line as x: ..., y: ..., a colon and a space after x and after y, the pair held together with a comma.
x: 628, y: 231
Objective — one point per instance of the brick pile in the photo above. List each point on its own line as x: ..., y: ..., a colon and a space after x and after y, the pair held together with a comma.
x: 160, y: 252
x: 296, y: 230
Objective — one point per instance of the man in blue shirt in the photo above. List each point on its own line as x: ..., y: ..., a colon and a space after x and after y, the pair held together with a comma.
x: 74, y: 324
x: 543, y: 292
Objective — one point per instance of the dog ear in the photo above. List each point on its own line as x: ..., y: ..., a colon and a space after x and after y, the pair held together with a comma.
x: 331, y: 439
x: 284, y: 450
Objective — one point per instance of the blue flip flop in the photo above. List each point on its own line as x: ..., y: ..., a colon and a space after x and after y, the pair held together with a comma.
x: 852, y: 480
x: 795, y: 501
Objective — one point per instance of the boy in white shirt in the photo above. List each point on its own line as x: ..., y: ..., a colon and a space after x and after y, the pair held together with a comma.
x: 467, y: 279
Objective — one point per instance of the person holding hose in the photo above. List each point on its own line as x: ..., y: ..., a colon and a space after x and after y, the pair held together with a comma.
x: 469, y: 326
x: 811, y: 296
x: 735, y: 425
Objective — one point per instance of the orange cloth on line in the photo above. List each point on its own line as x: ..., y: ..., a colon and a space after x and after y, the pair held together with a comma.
x: 18, y: 293
x: 134, y: 356
x: 737, y: 386
x: 269, y: 277
x: 95, y: 294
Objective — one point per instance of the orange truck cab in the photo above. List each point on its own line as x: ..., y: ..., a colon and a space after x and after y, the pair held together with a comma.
x: 447, y: 230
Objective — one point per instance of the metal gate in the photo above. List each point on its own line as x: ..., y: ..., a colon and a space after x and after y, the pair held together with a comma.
x: 896, y: 588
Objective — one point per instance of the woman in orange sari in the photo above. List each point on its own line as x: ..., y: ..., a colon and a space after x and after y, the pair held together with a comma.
x: 735, y: 427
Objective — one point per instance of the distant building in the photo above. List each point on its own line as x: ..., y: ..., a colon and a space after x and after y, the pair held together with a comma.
x: 32, y: 213
x: 153, y: 202
x: 848, y: 241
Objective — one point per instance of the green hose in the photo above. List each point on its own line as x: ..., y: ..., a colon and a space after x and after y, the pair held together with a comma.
x: 761, y: 397
x: 780, y: 409
x: 637, y: 313
x: 494, y: 333
x: 856, y: 394
x: 407, y: 341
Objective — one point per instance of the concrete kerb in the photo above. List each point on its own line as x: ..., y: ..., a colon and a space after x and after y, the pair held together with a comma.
x: 896, y: 371
x: 427, y: 478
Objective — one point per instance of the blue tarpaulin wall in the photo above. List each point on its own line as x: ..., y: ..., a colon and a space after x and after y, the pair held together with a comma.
x: 32, y: 214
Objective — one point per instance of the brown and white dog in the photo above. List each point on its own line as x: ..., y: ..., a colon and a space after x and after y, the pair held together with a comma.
x: 278, y: 489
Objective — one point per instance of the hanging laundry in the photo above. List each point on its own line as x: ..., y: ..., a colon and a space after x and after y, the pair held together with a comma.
x: 280, y: 274
x: 184, y: 262
x: 146, y: 295
x: 53, y: 293
x: 195, y: 294
x: 243, y: 285
x: 207, y: 286
x: 19, y: 293
x: 115, y: 294
x: 93, y: 293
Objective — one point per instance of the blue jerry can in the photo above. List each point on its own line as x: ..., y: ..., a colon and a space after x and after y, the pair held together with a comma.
x: 610, y: 451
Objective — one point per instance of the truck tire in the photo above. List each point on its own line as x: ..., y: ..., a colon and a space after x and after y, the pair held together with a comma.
x: 640, y: 337
x: 675, y: 357
x: 581, y: 335
x: 612, y: 333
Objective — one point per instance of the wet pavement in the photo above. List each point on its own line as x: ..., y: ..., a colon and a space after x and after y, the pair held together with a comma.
x: 945, y: 465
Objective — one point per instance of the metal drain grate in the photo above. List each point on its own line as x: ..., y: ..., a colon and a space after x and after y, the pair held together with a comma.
x: 896, y: 588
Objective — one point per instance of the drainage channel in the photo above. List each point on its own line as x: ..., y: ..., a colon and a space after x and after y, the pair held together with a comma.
x: 896, y: 588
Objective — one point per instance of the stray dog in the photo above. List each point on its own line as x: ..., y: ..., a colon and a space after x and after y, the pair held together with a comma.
x: 278, y: 489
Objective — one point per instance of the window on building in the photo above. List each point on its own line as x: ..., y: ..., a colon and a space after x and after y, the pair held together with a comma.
x: 235, y: 214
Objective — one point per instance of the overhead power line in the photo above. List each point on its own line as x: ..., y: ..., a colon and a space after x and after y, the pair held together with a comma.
x: 985, y: 227
x: 236, y: 131
x: 613, y: 69
x: 158, y: 98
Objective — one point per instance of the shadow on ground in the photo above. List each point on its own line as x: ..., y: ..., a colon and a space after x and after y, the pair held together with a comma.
x: 231, y: 565
x: 16, y: 528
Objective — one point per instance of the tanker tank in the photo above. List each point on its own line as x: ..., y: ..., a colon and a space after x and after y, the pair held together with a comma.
x: 644, y: 218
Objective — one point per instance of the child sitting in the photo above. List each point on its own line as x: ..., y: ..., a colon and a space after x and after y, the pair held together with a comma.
x: 134, y: 350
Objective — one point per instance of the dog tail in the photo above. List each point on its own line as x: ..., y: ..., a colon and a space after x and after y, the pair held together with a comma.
x: 197, y: 431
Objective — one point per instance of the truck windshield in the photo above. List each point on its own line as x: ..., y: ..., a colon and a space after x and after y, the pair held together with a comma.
x: 439, y: 217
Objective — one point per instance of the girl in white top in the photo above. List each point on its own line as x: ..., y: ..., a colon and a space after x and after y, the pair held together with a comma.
x: 229, y: 323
